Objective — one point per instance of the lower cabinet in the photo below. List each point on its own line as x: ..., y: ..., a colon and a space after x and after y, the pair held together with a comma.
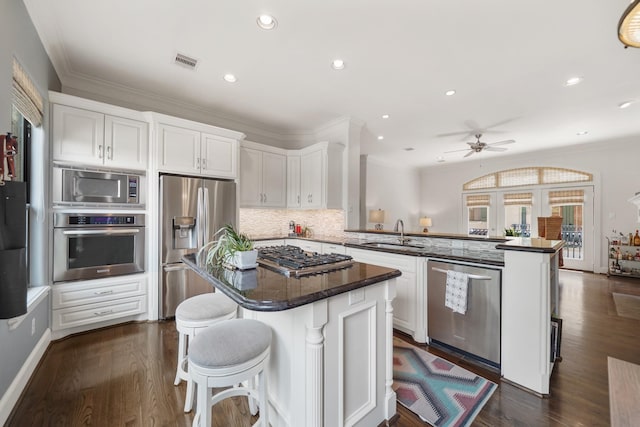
x: 265, y: 243
x: 84, y: 303
x: 305, y: 245
x: 333, y: 248
x: 408, y: 292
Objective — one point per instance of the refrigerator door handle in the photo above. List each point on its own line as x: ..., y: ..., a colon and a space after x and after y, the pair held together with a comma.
x: 175, y: 267
x: 205, y: 205
x: 200, y: 218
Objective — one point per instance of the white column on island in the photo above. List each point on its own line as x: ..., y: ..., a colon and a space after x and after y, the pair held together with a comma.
x: 390, y: 395
x: 315, y: 364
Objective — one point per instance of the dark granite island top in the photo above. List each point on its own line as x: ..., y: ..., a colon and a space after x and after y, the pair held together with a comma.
x: 261, y: 289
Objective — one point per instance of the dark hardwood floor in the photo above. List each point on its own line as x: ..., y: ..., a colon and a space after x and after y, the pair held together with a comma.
x: 123, y: 376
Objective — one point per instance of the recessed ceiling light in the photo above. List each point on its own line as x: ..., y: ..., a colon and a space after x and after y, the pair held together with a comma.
x: 230, y: 78
x: 380, y: 137
x: 440, y: 159
x: 573, y: 81
x: 385, y: 116
x: 582, y: 132
x: 337, y: 64
x: 267, y: 22
x: 450, y: 92
x: 625, y: 104
x: 409, y: 149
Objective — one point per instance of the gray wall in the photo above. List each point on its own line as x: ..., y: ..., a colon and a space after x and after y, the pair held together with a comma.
x: 19, y: 38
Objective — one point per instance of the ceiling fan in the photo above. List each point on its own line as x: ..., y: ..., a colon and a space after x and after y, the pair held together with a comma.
x: 478, y: 146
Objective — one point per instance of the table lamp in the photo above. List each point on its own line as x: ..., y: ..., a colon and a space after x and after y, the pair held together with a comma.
x: 425, y: 222
x: 377, y: 217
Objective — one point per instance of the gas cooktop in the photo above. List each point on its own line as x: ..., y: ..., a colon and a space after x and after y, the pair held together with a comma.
x: 293, y: 261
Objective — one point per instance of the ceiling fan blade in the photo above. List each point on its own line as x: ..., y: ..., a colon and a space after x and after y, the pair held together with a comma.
x: 505, y: 142
x: 469, y: 153
x: 456, y: 151
x: 489, y: 148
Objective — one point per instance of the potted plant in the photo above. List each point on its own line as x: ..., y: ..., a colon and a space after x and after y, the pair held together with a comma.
x: 231, y: 247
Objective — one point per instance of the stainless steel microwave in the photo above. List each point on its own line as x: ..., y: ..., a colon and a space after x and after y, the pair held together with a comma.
x: 72, y: 186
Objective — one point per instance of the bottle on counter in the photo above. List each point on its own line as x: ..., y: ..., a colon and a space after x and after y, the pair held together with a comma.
x: 637, y: 255
x: 636, y: 239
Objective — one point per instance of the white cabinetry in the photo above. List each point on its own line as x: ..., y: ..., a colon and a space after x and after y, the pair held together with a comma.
x: 191, y: 151
x: 529, y: 299
x: 265, y: 243
x: 82, y: 304
x: 316, y: 182
x: 93, y: 138
x: 408, y: 293
x: 305, y: 245
x: 263, y: 176
x: 333, y: 248
x: 293, y: 181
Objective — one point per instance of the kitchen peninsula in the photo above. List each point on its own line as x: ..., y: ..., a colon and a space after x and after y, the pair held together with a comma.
x: 331, y: 355
x: 529, y: 287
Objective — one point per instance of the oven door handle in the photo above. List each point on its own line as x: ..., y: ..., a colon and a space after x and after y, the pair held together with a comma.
x: 101, y: 231
x: 470, y: 276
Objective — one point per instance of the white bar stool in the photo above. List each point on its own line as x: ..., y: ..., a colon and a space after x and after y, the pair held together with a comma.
x: 227, y: 354
x: 193, y: 315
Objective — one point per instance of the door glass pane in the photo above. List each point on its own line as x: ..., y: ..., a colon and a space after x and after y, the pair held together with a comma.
x: 93, y: 251
x: 518, y: 219
x: 478, y: 221
x: 572, y: 220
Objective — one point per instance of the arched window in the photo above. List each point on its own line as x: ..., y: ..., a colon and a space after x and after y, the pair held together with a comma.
x: 527, y: 176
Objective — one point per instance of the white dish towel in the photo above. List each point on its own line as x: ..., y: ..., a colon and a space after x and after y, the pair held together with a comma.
x: 456, y: 291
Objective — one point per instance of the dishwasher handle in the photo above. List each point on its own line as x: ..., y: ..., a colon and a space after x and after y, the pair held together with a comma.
x: 470, y: 276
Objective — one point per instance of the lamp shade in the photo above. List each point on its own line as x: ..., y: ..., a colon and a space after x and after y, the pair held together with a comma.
x: 377, y: 217
x: 629, y: 25
x: 425, y: 222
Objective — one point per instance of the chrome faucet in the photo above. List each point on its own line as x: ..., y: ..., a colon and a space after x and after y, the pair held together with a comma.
x: 400, y: 227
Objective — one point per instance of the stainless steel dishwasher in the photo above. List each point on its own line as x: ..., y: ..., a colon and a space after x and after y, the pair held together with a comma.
x: 477, y: 332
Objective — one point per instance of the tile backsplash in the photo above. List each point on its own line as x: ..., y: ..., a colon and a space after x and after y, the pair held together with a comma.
x: 275, y: 222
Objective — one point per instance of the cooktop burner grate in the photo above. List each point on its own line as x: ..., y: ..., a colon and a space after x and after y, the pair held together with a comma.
x: 291, y: 260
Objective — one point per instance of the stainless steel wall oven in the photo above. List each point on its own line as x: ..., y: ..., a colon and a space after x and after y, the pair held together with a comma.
x: 92, y: 246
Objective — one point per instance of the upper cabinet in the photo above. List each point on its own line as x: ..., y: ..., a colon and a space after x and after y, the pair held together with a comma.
x: 94, y: 138
x: 263, y: 176
x: 315, y: 177
x: 293, y: 181
x: 197, y: 149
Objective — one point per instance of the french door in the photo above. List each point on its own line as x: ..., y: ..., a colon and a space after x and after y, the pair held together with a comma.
x: 577, y: 214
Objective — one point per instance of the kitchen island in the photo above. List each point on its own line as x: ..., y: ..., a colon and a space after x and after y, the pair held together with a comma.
x: 331, y: 355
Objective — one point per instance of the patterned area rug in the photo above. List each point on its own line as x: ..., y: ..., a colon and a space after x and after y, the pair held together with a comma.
x: 438, y: 391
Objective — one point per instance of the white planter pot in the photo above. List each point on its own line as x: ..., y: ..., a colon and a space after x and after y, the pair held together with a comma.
x: 245, y: 260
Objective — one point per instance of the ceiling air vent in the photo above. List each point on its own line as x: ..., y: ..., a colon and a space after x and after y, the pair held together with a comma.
x: 186, y: 61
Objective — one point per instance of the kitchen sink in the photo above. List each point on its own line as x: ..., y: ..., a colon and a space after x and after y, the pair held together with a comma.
x: 394, y: 246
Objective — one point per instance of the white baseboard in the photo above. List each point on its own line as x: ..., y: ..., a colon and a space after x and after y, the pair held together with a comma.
x: 18, y: 384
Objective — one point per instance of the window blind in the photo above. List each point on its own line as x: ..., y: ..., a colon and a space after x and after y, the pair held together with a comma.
x: 566, y: 197
x: 26, y: 97
x: 478, y: 200
x: 522, y: 199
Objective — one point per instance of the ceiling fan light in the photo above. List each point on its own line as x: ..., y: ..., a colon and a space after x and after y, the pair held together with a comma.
x: 629, y: 25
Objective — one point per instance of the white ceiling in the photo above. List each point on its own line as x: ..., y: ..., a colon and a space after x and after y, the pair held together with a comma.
x: 507, y: 60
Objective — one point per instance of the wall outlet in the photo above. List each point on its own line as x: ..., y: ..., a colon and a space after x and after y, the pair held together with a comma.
x: 33, y: 326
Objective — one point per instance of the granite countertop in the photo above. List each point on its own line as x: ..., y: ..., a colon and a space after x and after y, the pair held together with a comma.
x: 497, y: 239
x: 448, y: 253
x: 532, y: 244
x: 261, y: 289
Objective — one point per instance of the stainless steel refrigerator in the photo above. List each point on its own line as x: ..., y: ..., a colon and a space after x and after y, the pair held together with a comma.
x: 191, y: 211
